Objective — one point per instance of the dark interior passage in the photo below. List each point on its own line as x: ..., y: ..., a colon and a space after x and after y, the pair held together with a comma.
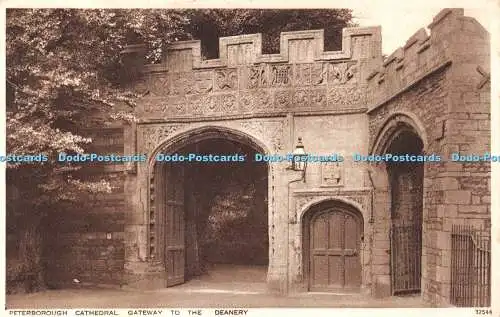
x: 406, y: 179
x: 225, y: 208
x: 406, y: 187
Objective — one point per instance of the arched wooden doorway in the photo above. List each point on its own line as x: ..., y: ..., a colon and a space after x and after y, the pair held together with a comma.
x: 198, y: 222
x: 333, y: 232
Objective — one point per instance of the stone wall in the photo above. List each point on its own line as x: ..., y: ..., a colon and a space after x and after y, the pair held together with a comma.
x: 87, y: 240
x: 439, y: 84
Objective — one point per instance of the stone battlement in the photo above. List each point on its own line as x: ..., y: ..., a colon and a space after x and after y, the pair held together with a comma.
x: 295, y: 47
x: 450, y: 34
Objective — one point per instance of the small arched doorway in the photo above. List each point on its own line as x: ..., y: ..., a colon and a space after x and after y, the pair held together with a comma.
x: 333, y: 233
x: 209, y: 216
x: 406, y: 196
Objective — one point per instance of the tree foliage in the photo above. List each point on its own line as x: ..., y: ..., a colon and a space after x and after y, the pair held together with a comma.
x: 208, y: 25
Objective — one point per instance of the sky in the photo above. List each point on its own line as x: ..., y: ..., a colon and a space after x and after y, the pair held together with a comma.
x: 399, y: 23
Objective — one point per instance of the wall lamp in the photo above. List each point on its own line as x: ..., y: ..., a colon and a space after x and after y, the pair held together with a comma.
x: 299, y: 159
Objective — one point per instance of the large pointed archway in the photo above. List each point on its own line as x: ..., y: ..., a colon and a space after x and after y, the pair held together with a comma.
x: 209, y: 208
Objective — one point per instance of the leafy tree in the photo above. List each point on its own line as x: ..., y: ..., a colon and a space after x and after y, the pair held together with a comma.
x: 63, y: 66
x: 64, y: 73
x: 210, y: 24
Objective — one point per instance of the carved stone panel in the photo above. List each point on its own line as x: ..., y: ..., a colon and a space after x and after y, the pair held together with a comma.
x: 347, y: 96
x: 151, y: 136
x: 302, y: 75
x: 157, y: 85
x: 302, y: 98
x: 203, y: 82
x: 257, y: 76
x: 318, y: 98
x: 272, y: 131
x: 332, y: 174
x: 199, y: 104
x: 319, y: 74
x: 256, y: 101
x: 181, y: 83
x: 226, y: 79
x: 342, y: 73
x: 282, y: 100
x: 225, y: 103
x: 281, y: 75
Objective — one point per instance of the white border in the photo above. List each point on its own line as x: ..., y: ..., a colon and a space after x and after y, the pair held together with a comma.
x: 392, y: 6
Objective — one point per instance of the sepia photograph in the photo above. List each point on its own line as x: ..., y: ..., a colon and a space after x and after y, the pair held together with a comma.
x: 158, y: 159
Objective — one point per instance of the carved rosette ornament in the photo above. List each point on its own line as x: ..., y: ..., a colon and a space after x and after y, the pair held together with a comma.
x: 301, y: 98
x: 283, y: 100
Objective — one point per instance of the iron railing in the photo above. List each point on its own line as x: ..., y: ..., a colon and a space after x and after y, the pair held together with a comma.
x: 406, y: 251
x: 470, y: 266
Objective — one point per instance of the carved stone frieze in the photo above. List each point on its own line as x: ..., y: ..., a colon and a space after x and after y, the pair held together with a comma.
x: 174, y: 105
x: 342, y: 73
x: 226, y: 79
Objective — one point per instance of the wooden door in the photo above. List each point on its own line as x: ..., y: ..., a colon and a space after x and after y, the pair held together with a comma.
x: 175, y: 227
x: 335, y: 240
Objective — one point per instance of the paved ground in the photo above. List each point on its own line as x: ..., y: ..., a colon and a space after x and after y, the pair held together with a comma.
x: 224, y: 287
x: 106, y: 298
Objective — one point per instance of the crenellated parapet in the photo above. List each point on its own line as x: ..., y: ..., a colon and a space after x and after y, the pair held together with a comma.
x: 449, y: 37
x: 302, y: 78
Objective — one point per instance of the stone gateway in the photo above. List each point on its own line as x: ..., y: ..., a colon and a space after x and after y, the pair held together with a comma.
x: 377, y: 227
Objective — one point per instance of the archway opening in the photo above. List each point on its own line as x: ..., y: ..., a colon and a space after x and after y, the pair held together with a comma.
x: 219, y: 210
x: 333, y: 234
x: 406, y: 190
